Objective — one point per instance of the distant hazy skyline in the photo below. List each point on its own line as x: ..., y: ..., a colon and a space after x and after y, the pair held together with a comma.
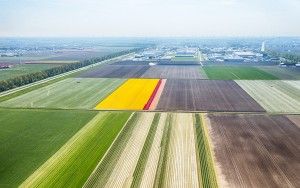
x: 149, y: 18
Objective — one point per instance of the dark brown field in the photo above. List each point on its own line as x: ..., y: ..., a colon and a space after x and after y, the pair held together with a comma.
x: 130, y: 62
x: 206, y: 95
x: 255, y: 150
x: 116, y: 71
x: 295, y: 119
x: 175, y: 72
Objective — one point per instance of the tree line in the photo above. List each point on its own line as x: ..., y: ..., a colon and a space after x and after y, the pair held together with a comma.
x: 290, y: 57
x: 36, y: 76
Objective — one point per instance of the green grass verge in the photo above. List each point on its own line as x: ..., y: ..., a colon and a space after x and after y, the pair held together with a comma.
x: 208, y: 176
x: 29, y: 137
x: 71, y: 93
x: 237, y: 73
x: 141, y: 164
x: 74, y: 162
x: 106, y: 166
x: 161, y: 167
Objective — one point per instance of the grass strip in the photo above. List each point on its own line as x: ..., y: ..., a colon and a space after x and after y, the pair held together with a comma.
x: 140, y: 167
x: 161, y: 167
x: 106, y: 166
x: 75, y: 161
x: 208, y: 176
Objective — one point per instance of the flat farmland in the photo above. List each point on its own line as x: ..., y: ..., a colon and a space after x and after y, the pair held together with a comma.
x: 71, y: 93
x: 237, y: 73
x: 116, y: 71
x: 255, y: 150
x: 181, y: 164
x: 73, y: 163
x: 206, y: 95
x: 175, y: 72
x: 295, y: 119
x: 130, y: 62
x: 274, y: 96
x: 23, y: 69
x: 134, y: 94
x: 121, y: 176
x: 29, y: 137
x: 284, y: 73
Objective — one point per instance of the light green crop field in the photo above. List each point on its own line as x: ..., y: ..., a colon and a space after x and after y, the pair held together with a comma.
x: 71, y: 93
x: 236, y: 73
x: 29, y: 137
x: 284, y: 73
x: 273, y: 96
x: 18, y: 70
x: 75, y: 161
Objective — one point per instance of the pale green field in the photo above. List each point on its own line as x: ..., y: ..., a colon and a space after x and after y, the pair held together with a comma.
x: 71, y: 93
x: 273, y: 96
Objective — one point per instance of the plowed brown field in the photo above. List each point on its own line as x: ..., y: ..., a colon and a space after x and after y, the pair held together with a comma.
x: 206, y: 95
x: 116, y: 71
x: 175, y: 72
x: 256, y: 150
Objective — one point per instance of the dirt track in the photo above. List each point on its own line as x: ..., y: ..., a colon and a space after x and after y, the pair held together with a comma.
x: 206, y: 95
x: 256, y: 150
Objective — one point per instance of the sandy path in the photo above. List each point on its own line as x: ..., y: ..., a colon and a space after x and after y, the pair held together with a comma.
x: 158, y: 94
x: 152, y: 162
x: 123, y: 171
x: 181, y: 169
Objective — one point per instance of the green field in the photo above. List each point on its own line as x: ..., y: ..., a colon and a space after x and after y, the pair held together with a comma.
x: 284, y: 73
x: 273, y: 96
x: 18, y: 70
x: 75, y: 161
x: 71, y: 93
x: 29, y: 137
x: 236, y: 73
x: 208, y: 175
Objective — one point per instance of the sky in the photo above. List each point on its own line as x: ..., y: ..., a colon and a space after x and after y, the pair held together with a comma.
x: 149, y: 18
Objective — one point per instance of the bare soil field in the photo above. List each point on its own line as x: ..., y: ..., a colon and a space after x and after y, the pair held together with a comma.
x: 116, y: 71
x: 206, y: 95
x: 295, y: 119
x: 175, y: 72
x: 255, y: 150
x: 130, y: 62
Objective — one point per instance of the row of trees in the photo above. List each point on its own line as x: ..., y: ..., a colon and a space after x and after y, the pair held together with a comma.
x: 290, y: 57
x: 33, y: 77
